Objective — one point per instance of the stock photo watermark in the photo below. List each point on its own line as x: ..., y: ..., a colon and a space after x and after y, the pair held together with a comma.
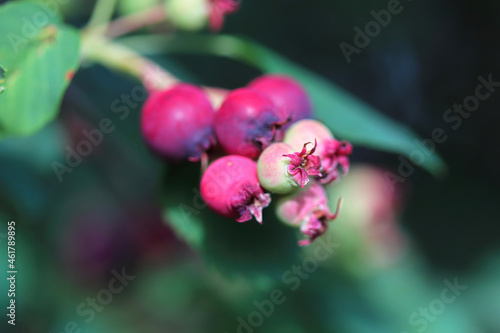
x: 35, y: 26
x: 371, y: 30
x: 11, y: 272
x: 454, y: 117
x: 291, y: 280
x: 89, y: 308
x: 428, y: 314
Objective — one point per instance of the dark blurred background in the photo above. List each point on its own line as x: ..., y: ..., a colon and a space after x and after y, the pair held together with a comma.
x: 106, y: 214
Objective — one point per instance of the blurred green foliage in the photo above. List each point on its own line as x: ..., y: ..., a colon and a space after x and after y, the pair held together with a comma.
x: 202, y: 273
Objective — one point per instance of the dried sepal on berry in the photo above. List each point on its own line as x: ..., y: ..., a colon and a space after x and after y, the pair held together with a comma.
x: 282, y: 170
x: 334, y: 153
x: 316, y: 223
x: 308, y: 210
x: 249, y: 202
x: 304, y: 164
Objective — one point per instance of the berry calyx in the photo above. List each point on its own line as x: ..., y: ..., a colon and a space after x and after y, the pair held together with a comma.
x: 307, y: 209
x: 281, y: 169
x: 304, y: 164
x: 177, y: 123
x: 287, y: 94
x: 230, y: 188
x: 247, y: 122
x: 333, y: 153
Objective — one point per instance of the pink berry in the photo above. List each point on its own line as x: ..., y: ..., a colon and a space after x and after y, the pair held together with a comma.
x: 230, y: 188
x: 177, y: 123
x: 333, y: 153
x: 247, y: 122
x: 281, y: 169
x: 307, y: 209
x: 287, y: 94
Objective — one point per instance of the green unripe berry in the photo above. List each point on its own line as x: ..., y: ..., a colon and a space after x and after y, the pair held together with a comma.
x: 272, y: 168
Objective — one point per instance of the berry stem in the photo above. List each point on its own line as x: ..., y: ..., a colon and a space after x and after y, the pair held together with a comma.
x: 129, y: 23
x: 101, y: 15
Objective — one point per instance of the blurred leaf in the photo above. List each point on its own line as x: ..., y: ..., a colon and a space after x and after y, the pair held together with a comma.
x: 39, y: 55
x: 38, y: 150
x: 169, y: 292
x: 347, y: 116
x: 248, y: 249
x: 126, y: 7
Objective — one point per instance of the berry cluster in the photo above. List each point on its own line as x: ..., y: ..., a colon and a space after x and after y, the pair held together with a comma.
x: 268, y: 142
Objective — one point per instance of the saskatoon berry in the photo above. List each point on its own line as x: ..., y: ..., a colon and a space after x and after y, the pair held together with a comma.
x: 281, y: 169
x: 247, y: 122
x: 177, y: 123
x: 331, y: 151
x: 307, y: 209
x: 287, y: 94
x: 230, y: 188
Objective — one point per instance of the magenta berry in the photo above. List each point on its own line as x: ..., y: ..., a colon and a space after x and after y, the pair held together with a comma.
x: 177, y: 122
x: 281, y: 169
x: 287, y: 94
x: 333, y: 153
x: 230, y: 188
x: 247, y: 122
x: 307, y: 209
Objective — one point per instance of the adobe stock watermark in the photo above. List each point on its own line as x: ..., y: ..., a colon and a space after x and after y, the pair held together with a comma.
x: 372, y: 29
x: 453, y: 116
x: 122, y: 107
x: 292, y: 280
x: 92, y: 305
x: 33, y: 26
x: 420, y: 319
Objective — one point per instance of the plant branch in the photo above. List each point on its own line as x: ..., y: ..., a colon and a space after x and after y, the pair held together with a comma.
x: 123, y: 59
x: 132, y: 22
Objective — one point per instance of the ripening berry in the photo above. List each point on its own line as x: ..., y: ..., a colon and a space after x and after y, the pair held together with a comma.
x: 131, y: 7
x: 287, y: 94
x: 307, y: 209
x: 177, y: 123
x: 333, y: 153
x: 230, y: 188
x: 281, y: 169
x: 247, y: 122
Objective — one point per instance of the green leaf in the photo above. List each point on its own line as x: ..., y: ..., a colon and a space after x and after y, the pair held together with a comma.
x: 249, y: 249
x: 347, y: 116
x: 38, y: 55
